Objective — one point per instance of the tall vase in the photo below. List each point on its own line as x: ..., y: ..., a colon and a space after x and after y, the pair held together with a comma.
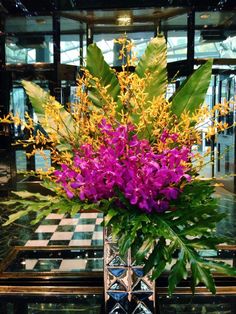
x: 127, y: 289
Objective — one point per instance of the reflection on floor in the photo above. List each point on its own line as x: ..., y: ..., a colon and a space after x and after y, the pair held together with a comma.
x: 58, y: 259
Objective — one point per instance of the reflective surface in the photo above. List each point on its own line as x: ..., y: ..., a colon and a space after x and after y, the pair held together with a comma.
x: 127, y: 288
x: 87, y: 304
x: 197, y: 305
x: 56, y: 260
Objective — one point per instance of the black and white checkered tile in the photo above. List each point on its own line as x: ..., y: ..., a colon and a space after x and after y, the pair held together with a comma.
x: 83, y: 229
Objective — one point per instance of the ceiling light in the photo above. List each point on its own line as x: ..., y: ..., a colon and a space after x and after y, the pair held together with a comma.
x: 40, y: 21
x: 124, y: 20
x: 204, y: 16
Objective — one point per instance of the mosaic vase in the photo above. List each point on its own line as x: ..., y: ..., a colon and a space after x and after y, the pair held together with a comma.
x: 127, y: 289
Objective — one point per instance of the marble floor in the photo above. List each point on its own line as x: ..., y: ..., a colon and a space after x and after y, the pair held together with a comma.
x: 83, y: 229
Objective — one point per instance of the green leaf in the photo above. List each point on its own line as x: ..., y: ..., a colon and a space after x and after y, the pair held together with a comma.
x: 159, y: 269
x: 15, y: 216
x: 154, y: 64
x: 124, y: 244
x: 192, y: 92
x: 220, y: 267
x: 201, y: 274
x: 75, y: 209
x: 156, y: 259
x: 39, y: 98
x: 111, y: 213
x: 144, y: 250
x: 178, y: 272
x: 98, y: 67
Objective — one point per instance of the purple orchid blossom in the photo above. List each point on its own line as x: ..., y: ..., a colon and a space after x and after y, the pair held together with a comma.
x: 147, y: 179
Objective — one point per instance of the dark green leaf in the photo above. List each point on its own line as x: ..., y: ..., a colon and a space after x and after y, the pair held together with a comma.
x: 220, y: 267
x: 177, y: 273
x: 201, y: 274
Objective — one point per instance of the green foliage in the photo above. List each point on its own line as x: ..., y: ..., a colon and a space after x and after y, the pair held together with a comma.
x: 98, y: 67
x: 39, y: 99
x: 192, y: 92
x: 153, y: 64
x: 181, y: 232
x: 25, y: 202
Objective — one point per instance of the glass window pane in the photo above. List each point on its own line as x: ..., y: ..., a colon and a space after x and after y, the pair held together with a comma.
x: 176, y: 45
x: 29, y: 24
x: 70, y: 49
x: 28, y: 49
x: 214, y: 45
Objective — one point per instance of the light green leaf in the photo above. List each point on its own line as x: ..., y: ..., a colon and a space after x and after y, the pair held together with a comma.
x: 40, y: 215
x: 23, y: 194
x: 39, y: 98
x: 154, y: 64
x: 29, y: 195
x: 64, y: 147
x: 16, y: 216
x: 192, y: 92
x: 75, y: 209
x: 98, y: 67
x: 111, y: 213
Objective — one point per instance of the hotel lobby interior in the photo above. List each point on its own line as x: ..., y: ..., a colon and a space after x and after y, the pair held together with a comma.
x: 57, y: 264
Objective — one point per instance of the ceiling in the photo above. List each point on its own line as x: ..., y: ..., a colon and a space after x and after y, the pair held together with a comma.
x: 44, y: 7
x: 146, y: 19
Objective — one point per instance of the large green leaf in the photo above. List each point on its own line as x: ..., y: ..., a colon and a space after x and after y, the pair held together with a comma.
x: 192, y: 92
x: 39, y: 98
x: 153, y: 63
x: 98, y: 67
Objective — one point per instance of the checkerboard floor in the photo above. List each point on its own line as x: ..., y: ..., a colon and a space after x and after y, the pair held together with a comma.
x: 83, y: 229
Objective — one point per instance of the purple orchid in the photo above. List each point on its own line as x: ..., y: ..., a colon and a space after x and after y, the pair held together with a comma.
x: 149, y: 180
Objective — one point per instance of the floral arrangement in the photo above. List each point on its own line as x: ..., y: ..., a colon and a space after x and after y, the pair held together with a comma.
x: 126, y: 150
